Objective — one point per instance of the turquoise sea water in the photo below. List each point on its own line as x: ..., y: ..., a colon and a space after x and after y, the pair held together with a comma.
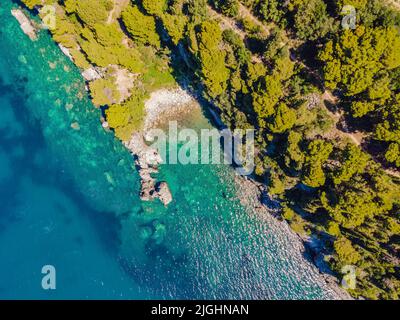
x: 69, y: 198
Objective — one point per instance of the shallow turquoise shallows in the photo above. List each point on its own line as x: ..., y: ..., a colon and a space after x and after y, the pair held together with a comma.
x: 69, y: 198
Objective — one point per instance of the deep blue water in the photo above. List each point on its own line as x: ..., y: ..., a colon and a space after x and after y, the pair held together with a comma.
x: 69, y: 198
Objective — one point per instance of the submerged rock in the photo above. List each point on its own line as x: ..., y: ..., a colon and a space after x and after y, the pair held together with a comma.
x: 25, y: 23
x: 159, y: 232
x: 75, y: 126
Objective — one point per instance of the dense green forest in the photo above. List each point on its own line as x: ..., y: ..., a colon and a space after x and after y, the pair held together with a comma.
x: 325, y: 100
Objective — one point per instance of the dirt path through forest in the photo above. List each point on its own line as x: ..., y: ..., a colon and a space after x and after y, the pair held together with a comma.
x: 119, y: 5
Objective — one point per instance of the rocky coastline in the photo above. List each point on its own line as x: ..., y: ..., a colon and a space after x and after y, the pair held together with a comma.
x: 147, y: 160
x: 253, y: 196
x: 26, y: 24
x: 169, y: 103
x: 162, y: 105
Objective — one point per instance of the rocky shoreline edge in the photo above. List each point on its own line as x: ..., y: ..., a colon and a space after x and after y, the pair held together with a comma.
x: 147, y: 159
x: 162, y: 105
x: 254, y: 197
x: 168, y: 104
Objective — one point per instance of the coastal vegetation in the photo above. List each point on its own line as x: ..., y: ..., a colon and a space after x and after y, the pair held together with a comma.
x: 99, y: 40
x: 324, y: 99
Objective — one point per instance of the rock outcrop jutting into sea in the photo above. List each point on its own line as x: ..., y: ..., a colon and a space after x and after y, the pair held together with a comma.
x: 25, y: 23
x: 147, y: 160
